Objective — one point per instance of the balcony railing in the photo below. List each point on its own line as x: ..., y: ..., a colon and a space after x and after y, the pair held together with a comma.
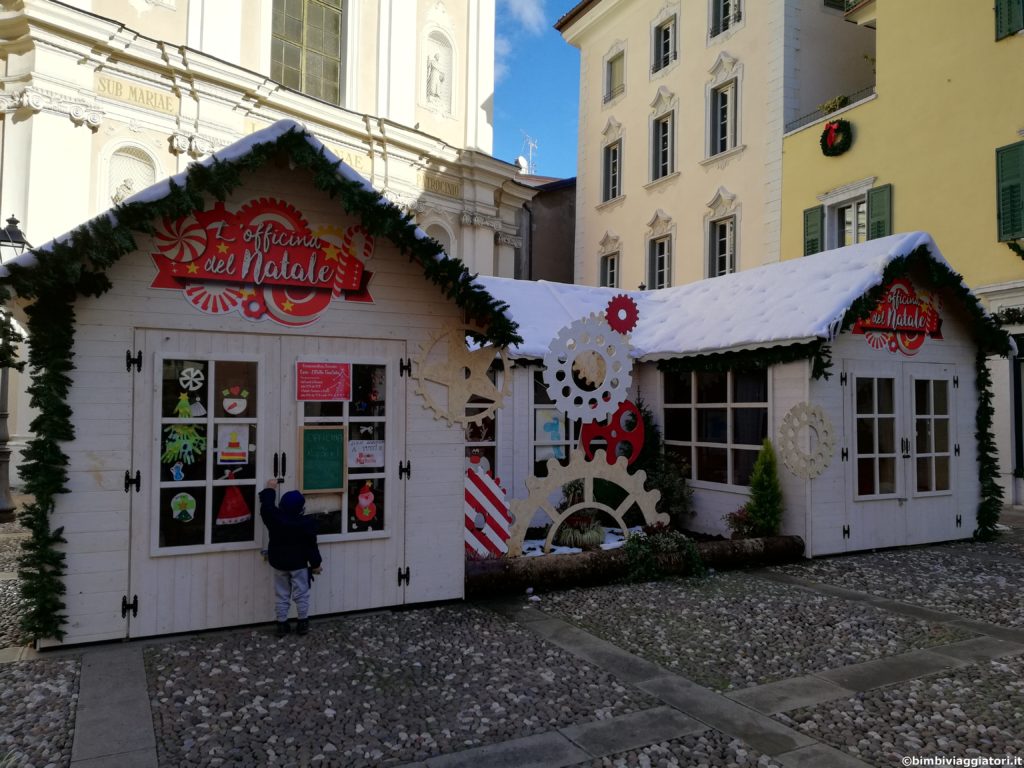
x: 817, y: 114
x: 613, y: 92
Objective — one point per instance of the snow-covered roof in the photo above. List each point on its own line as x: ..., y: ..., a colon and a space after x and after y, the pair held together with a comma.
x: 790, y: 302
x: 235, y: 151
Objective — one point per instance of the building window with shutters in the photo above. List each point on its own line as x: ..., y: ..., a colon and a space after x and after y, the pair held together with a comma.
x: 612, y: 172
x: 610, y: 270
x: 659, y: 262
x: 662, y: 146
x: 1010, y: 191
x: 1009, y: 18
x: 615, y: 76
x: 722, y: 247
x: 848, y: 215
x: 725, y: 14
x: 663, y: 46
x: 306, y: 47
x: 723, y: 118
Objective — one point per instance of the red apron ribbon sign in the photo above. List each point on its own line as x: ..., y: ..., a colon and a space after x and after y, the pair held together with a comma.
x: 323, y: 382
x: 263, y: 261
x: 486, y: 499
x: 903, y: 319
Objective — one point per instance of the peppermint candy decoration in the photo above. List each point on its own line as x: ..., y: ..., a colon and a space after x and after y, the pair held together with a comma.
x: 213, y: 298
x: 191, y: 379
x: 182, y: 240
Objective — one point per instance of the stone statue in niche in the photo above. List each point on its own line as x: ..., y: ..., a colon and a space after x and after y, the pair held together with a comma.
x: 435, y: 78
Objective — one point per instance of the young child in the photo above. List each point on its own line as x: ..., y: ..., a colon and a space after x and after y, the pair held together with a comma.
x: 292, y: 552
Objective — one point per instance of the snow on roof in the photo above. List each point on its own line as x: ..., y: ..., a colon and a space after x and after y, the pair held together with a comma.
x: 778, y: 304
x: 232, y: 152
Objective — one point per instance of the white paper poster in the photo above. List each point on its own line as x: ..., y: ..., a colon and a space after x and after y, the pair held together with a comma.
x: 366, y: 453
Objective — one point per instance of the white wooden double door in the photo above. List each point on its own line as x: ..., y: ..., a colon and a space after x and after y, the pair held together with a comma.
x: 903, y: 451
x: 215, y: 417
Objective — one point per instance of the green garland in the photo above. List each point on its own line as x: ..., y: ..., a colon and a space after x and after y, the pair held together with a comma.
x: 1015, y: 248
x: 818, y: 352
x: 77, y: 265
x: 843, y: 137
x: 988, y: 465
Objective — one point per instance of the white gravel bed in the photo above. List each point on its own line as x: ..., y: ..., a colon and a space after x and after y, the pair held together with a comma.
x: 710, y: 748
x: 953, y: 579
x: 373, y: 690
x: 971, y: 712
x: 12, y: 527
x: 10, y: 551
x: 10, y: 616
x: 734, y: 630
x: 37, y: 712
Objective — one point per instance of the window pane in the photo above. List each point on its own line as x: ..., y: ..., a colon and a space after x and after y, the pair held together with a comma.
x: 711, y: 464
x: 941, y: 473
x: 677, y: 424
x: 183, y: 452
x: 749, y: 425
x: 750, y: 387
x: 742, y: 466
x: 922, y: 389
x: 885, y: 400
x: 234, y: 515
x: 887, y: 475
x: 887, y: 436
x: 238, y: 385
x: 366, y: 447
x: 679, y: 456
x: 182, y: 516
x: 865, y: 395
x: 941, y: 427
x: 185, y: 389
x: 865, y: 436
x: 923, y: 430
x: 549, y: 426
x: 234, y: 452
x: 677, y: 387
x: 941, y: 405
x: 865, y: 477
x: 368, y: 390
x: 712, y: 387
x: 365, y: 505
x: 712, y: 425
x: 924, y: 475
x: 540, y: 391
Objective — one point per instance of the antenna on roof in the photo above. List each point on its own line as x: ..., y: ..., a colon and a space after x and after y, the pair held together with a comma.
x: 529, y: 148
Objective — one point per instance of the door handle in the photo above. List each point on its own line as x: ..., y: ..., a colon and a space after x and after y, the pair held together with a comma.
x: 284, y: 465
x: 906, y: 447
x: 275, y: 466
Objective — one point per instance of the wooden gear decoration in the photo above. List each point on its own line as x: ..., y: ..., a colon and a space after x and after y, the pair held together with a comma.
x: 797, y: 461
x: 541, y: 488
x: 463, y: 372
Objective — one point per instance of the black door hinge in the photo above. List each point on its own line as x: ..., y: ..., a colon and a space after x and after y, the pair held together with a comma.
x: 842, y: 379
x: 844, y: 454
x: 956, y: 449
x: 959, y: 521
x: 403, y: 576
x: 956, y: 382
x: 404, y: 469
x: 405, y: 367
x: 131, y: 360
x: 128, y: 481
x: 846, y: 531
x: 133, y: 606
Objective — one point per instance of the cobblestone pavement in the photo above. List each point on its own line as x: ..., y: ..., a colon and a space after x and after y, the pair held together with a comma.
x: 623, y: 675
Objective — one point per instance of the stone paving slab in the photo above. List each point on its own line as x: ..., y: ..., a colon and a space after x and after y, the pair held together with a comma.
x: 626, y: 666
x: 605, y: 737
x: 978, y: 649
x: 545, y: 750
x: 875, y: 674
x: 789, y: 694
x: 142, y: 758
x: 820, y: 756
x: 760, y: 731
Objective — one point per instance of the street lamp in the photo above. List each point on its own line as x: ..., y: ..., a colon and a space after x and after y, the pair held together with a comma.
x: 12, y: 244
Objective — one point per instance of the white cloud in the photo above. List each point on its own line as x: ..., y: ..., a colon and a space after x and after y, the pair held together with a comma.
x: 529, y: 14
x: 502, y: 50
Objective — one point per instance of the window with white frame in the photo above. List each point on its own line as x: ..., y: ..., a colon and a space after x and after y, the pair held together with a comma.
x: 723, y: 118
x: 724, y: 14
x: 615, y: 76
x: 722, y: 247
x: 610, y: 270
x: 612, y: 181
x: 482, y: 434
x: 662, y: 149
x: 850, y: 222
x: 715, y: 422
x: 554, y: 434
x: 659, y: 262
x: 306, y: 47
x: 663, y: 48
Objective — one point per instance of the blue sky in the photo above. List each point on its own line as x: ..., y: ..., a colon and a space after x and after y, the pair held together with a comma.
x: 536, y: 85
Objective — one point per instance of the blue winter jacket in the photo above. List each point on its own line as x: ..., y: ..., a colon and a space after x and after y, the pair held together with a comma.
x: 292, y: 536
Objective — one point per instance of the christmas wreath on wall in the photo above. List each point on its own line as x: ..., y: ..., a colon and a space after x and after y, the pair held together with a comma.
x: 836, y: 138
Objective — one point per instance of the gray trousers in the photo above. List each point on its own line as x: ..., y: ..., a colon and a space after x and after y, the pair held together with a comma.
x: 288, y: 586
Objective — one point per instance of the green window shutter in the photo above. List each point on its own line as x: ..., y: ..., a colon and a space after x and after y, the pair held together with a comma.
x: 1010, y: 191
x: 880, y: 211
x: 604, y: 271
x: 652, y: 263
x: 814, y: 229
x: 1009, y: 17
x: 839, y: 5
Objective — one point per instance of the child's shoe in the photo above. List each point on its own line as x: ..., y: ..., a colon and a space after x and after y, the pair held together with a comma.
x: 283, y: 628
x: 303, y: 626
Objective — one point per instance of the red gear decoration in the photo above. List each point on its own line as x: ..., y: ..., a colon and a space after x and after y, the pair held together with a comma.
x: 622, y: 313
x: 253, y: 306
x: 279, y: 210
x: 613, y: 432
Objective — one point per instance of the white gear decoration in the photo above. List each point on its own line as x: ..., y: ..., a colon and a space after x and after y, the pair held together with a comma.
x: 577, y: 346
x: 541, y: 488
x: 450, y: 371
x: 191, y: 379
x: 800, y: 463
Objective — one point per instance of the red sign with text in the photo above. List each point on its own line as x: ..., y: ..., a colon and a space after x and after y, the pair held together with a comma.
x: 903, y: 319
x: 323, y: 382
x: 263, y: 261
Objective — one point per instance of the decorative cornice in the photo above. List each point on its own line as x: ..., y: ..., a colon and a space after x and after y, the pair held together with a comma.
x: 196, y: 145
x: 722, y: 203
x: 471, y: 219
x: 723, y: 68
x: 612, y: 130
x: 37, y: 100
x: 610, y: 243
x: 503, y: 238
x: 664, y: 100
x: 659, y: 224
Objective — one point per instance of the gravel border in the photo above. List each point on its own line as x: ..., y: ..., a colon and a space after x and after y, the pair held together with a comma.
x: 37, y: 712
x: 735, y: 630
x: 710, y: 748
x: 956, y: 579
x: 972, y: 711
x: 10, y: 551
x: 379, y: 689
x: 10, y: 614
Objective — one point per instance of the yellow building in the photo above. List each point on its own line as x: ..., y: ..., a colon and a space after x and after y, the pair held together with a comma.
x: 947, y: 107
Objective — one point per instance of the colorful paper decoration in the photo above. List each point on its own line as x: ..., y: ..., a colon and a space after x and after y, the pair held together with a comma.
x: 366, y: 509
x: 579, y: 468
x: 622, y: 313
x: 574, y: 350
x: 234, y: 400
x: 177, y: 471
x: 183, y: 507
x: 486, y: 499
x: 233, y: 442
x: 197, y: 410
x: 445, y: 360
x: 234, y: 509
x: 191, y: 379
x: 802, y: 464
x: 614, y: 432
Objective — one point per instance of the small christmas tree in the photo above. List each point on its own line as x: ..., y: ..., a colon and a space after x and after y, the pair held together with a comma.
x: 765, y: 506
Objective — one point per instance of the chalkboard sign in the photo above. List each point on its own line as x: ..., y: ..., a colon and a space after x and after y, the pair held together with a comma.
x: 322, y: 454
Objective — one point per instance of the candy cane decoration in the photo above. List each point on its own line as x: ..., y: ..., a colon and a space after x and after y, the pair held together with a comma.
x: 484, y: 496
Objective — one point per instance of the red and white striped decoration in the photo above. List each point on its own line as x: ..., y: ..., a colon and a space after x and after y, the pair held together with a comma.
x: 485, y: 497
